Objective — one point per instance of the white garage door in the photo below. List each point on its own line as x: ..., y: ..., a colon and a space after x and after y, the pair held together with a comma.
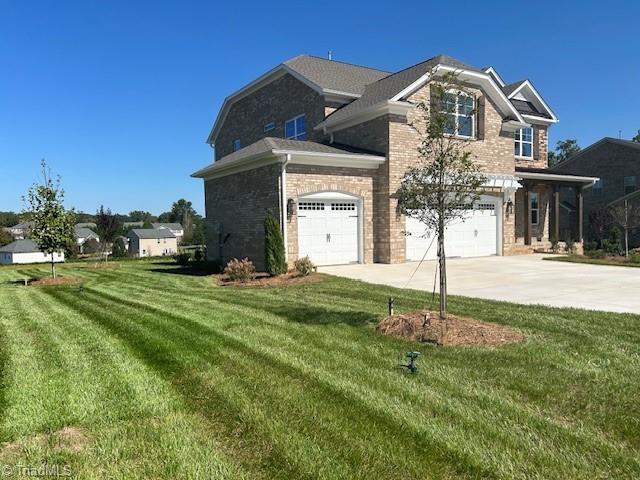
x: 328, y: 231
x: 476, y: 236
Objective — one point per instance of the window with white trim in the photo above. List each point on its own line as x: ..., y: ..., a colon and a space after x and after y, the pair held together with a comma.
x: 269, y: 126
x: 629, y: 184
x: 294, y: 128
x: 236, y: 145
x: 535, y: 208
x: 523, y: 146
x: 459, y: 109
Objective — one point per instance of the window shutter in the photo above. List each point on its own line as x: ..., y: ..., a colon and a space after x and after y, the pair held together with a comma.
x: 434, y: 102
x: 536, y: 144
x: 480, y: 120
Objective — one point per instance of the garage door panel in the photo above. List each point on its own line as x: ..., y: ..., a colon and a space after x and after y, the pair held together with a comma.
x: 476, y: 235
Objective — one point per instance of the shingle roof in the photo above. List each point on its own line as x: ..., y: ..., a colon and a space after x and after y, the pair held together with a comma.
x: 152, y: 233
x: 528, y: 108
x: 20, y: 246
x: 509, y: 89
x: 83, y: 232
x: 389, y: 86
x: 335, y: 75
x: 23, y: 225
x: 170, y: 226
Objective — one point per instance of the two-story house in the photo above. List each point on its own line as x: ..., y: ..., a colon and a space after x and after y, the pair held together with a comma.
x: 616, y: 163
x: 324, y: 145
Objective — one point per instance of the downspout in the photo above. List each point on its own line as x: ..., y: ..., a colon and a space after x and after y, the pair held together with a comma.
x: 283, y: 201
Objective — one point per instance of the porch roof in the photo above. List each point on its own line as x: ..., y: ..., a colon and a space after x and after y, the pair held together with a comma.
x: 545, y: 175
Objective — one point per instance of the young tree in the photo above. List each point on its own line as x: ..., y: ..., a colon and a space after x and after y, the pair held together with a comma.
x: 628, y: 217
x: 445, y: 184
x: 600, y: 219
x: 636, y: 138
x: 119, y: 249
x: 107, y: 227
x: 53, y: 225
x: 564, y: 150
x: 274, y: 256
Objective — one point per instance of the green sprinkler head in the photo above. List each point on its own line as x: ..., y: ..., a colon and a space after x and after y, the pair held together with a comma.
x: 411, y: 366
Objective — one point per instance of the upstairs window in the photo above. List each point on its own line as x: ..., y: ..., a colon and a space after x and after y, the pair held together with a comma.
x: 597, y: 187
x: 268, y: 127
x: 294, y: 129
x: 524, y: 143
x: 459, y: 108
x: 236, y: 145
x: 629, y: 184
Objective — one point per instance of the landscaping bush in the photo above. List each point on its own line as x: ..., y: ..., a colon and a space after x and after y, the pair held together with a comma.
x: 240, y: 270
x: 570, y: 246
x: 635, y: 258
x: 613, y: 244
x: 198, y: 255
x: 597, y: 254
x: 305, y: 266
x: 555, y: 246
x: 119, y: 249
x: 183, y: 259
x: 590, y: 246
x: 91, y: 246
x: 274, y: 257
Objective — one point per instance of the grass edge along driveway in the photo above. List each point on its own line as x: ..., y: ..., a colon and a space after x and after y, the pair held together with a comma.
x: 168, y: 376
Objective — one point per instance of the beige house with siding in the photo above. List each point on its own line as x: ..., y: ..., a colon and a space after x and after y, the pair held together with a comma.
x: 324, y: 145
x: 149, y: 242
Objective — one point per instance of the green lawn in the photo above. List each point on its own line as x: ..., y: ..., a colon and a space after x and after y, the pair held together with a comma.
x: 613, y: 261
x: 172, y: 377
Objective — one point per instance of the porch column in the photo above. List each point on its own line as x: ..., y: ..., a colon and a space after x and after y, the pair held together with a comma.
x: 556, y: 214
x: 578, y: 213
x: 527, y: 215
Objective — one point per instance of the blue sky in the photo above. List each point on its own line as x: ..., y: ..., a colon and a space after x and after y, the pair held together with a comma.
x: 120, y: 96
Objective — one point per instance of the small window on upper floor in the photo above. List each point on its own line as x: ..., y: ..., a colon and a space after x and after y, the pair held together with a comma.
x: 629, y: 184
x: 295, y: 129
x: 597, y: 187
x: 268, y: 127
x: 236, y: 145
x: 523, y: 146
x: 459, y: 109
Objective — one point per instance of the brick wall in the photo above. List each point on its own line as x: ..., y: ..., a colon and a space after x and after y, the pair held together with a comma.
x: 277, y: 102
x: 239, y: 202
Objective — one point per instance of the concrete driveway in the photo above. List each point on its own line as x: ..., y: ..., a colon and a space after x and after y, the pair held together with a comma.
x: 519, y: 279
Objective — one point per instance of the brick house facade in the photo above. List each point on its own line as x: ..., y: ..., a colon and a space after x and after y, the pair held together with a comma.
x: 342, y: 173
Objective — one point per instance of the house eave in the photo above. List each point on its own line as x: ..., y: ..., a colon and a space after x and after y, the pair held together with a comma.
x: 389, y: 107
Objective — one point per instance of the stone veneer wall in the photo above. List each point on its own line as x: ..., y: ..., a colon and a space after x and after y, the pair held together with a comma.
x: 239, y: 203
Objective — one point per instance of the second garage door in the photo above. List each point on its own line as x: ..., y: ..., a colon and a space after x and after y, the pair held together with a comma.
x: 328, y: 231
x: 476, y: 236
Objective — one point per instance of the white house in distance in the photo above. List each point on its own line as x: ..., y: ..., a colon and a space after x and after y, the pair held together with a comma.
x: 83, y: 234
x: 21, y: 230
x: 152, y: 242
x: 175, y: 228
x: 26, y: 251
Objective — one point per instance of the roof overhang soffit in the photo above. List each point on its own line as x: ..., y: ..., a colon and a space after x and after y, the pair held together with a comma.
x: 528, y: 91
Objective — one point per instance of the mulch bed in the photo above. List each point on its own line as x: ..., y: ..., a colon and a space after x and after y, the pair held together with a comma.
x: 48, y: 281
x: 264, y: 280
x: 426, y: 326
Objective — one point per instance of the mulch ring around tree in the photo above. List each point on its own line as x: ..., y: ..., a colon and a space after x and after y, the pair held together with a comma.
x: 49, y: 281
x: 264, y: 280
x: 426, y: 326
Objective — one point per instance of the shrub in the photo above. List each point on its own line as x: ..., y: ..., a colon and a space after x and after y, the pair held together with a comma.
x: 635, y: 258
x: 119, y: 249
x: 198, y: 255
x: 555, y: 246
x: 274, y: 258
x: 91, y: 246
x: 182, y: 259
x: 597, y: 254
x: 240, y: 270
x: 570, y: 246
x: 305, y: 266
x: 613, y: 244
x: 590, y: 246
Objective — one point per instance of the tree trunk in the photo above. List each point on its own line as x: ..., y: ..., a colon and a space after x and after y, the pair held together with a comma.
x: 442, y: 260
x: 53, y: 267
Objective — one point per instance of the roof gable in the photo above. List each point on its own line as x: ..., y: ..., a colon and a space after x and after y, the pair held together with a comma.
x: 635, y: 146
x: 528, y: 101
x: 327, y: 77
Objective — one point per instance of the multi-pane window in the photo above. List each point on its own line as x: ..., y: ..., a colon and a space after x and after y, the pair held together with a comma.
x: 629, y: 184
x: 597, y: 187
x: 458, y: 108
x: 311, y: 206
x: 236, y: 145
x: 269, y: 126
x: 524, y: 143
x: 535, y: 208
x: 294, y: 128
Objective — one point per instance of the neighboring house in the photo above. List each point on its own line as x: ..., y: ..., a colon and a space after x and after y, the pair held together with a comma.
x: 21, y: 230
x: 150, y: 242
x: 83, y: 234
x: 26, y: 251
x: 174, y: 228
x: 617, y: 165
x: 324, y: 146
x: 127, y: 225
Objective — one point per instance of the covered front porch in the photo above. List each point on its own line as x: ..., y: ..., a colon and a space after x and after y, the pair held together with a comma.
x: 539, y: 210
